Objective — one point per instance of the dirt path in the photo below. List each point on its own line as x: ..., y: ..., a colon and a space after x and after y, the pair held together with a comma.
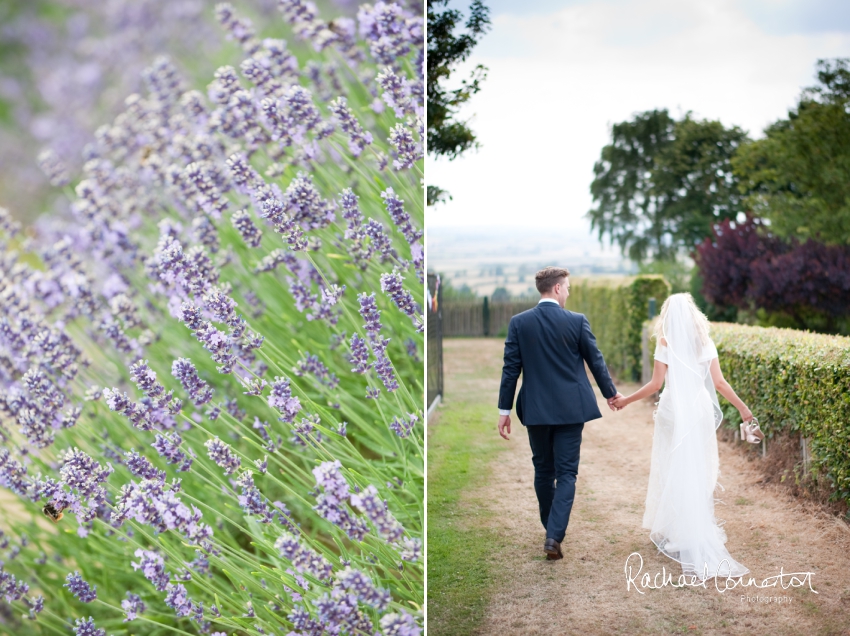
x: 585, y: 593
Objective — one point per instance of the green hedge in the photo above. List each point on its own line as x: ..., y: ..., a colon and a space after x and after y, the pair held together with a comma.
x: 616, y: 309
x: 794, y: 382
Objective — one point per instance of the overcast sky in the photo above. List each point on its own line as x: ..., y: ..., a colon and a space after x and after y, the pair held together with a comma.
x: 562, y: 72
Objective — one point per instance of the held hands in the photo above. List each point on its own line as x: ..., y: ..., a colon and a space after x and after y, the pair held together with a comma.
x: 617, y: 402
x: 505, y: 426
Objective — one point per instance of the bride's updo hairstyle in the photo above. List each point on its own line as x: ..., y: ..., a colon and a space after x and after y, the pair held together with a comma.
x: 701, y: 323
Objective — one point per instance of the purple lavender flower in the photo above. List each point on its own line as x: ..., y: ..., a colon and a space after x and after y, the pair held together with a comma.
x: 36, y: 604
x: 407, y: 150
x: 152, y: 566
x: 402, y: 624
x: 306, y: 205
x: 332, y: 502
x: 402, y: 427
x: 370, y: 313
x: 376, y: 509
x: 168, y: 447
x: 244, y: 177
x: 395, y: 208
x: 383, y: 366
x: 281, y: 399
x: 351, y: 212
x: 132, y: 606
x: 410, y: 345
x: 205, y: 233
x: 141, y: 466
x: 312, y: 364
x: 11, y: 588
x: 375, y: 231
x: 411, y: 549
x: 332, y: 294
x: 249, y: 232
x: 252, y: 500
x: 396, y: 91
x: 186, y: 373
x: 359, y: 584
x: 53, y: 167
x: 86, y: 627
x: 359, y: 355
x: 145, y: 379
x: 178, y: 599
x: 222, y: 455
x: 303, y: 558
x: 302, y: 112
x: 239, y: 29
x: 358, y: 139
x: 79, y: 588
x: 149, y: 503
x: 391, y: 285
x: 13, y: 474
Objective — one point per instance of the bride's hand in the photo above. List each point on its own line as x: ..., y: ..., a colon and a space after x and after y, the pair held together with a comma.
x: 620, y: 402
x: 746, y: 414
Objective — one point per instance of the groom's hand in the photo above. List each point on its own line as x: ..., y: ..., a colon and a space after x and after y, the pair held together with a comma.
x: 612, y: 401
x: 505, y: 426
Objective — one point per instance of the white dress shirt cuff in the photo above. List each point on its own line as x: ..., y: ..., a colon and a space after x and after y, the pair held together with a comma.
x: 504, y: 411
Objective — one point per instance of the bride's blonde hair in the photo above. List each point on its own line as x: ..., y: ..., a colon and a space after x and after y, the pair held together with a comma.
x: 701, y: 322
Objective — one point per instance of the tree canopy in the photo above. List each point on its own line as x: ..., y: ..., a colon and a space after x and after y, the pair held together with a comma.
x: 798, y: 176
x: 450, y: 42
x: 661, y: 185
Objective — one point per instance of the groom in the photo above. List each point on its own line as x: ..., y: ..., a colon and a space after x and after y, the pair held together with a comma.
x: 549, y: 346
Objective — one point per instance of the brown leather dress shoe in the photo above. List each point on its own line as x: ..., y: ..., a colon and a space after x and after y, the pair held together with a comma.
x: 553, y: 550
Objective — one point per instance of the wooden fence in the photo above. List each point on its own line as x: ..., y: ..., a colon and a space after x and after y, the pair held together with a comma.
x: 477, y: 318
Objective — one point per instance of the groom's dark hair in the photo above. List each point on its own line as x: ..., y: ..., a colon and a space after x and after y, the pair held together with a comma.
x: 548, y: 277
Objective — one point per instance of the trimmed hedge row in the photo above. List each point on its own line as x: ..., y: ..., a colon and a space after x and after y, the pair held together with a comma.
x: 795, y: 382
x: 617, y: 309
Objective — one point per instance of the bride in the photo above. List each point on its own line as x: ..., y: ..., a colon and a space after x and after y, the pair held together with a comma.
x: 684, y: 469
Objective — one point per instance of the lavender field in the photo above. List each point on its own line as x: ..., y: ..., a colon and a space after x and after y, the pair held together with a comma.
x: 211, y: 333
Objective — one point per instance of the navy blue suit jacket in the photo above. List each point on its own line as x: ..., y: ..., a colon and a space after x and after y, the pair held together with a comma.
x: 549, y: 346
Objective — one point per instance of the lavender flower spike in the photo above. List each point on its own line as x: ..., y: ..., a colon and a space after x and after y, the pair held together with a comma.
x: 250, y: 233
x: 359, y: 355
x: 395, y: 208
x: 221, y: 454
x: 391, y: 285
x: 357, y: 138
x: 198, y: 390
x: 152, y: 566
x: 79, y: 588
x: 407, y: 150
x: 402, y: 427
x: 132, y: 606
x: 86, y: 627
x: 370, y: 313
x: 402, y: 624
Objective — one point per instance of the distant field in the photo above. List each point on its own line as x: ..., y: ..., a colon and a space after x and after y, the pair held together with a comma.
x: 518, y: 279
x: 487, y: 258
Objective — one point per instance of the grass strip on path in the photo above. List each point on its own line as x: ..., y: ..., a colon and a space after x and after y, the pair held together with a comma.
x: 463, y: 447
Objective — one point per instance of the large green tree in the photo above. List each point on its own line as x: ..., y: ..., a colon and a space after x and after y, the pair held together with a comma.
x: 450, y: 42
x: 661, y: 184
x: 798, y: 175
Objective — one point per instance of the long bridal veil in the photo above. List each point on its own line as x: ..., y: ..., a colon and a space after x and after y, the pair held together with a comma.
x: 684, y: 472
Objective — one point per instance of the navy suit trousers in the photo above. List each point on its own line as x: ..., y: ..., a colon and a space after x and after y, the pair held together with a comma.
x: 555, y: 454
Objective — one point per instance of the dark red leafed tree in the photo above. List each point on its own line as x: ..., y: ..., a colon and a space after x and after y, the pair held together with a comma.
x: 744, y: 266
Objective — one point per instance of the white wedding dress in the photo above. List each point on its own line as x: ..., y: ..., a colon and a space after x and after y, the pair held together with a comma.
x: 685, y: 466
